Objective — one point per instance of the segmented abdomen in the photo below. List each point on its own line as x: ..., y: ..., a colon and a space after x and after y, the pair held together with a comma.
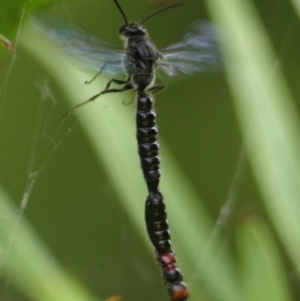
x: 148, y: 146
x: 159, y: 233
x: 155, y: 210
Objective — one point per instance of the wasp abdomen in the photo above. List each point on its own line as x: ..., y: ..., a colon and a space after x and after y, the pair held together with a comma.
x: 159, y: 233
x: 148, y: 146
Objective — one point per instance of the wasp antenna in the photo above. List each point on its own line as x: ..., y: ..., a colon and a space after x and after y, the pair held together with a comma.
x: 121, y: 11
x: 160, y: 11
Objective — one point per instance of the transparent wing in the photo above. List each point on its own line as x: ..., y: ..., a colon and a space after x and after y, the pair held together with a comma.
x: 196, y: 52
x: 91, y: 53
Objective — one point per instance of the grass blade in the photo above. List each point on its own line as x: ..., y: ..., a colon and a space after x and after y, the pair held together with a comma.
x: 262, y: 270
x: 267, y: 115
x: 28, y: 264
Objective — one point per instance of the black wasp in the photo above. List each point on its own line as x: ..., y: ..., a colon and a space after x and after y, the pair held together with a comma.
x: 140, y: 60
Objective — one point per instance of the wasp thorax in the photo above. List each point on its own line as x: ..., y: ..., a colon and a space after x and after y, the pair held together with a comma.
x: 132, y: 29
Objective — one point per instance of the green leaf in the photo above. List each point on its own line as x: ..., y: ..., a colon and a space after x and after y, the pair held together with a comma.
x: 27, y: 262
x: 296, y: 4
x: 262, y: 271
x: 267, y: 115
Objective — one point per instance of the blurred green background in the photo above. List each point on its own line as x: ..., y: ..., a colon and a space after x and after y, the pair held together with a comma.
x: 230, y: 148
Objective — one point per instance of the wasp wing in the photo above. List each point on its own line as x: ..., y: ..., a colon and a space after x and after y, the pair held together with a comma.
x: 196, y: 52
x: 91, y: 53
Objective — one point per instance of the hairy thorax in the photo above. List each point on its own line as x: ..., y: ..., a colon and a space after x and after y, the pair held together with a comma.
x: 140, y: 61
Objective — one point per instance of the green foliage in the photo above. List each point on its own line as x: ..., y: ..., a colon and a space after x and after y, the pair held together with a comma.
x: 85, y: 188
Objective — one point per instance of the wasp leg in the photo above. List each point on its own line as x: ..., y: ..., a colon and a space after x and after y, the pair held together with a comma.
x: 97, y: 74
x: 116, y: 81
x: 123, y: 89
x: 127, y: 87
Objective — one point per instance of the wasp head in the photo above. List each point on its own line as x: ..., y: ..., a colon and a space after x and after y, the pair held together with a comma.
x: 131, y: 30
